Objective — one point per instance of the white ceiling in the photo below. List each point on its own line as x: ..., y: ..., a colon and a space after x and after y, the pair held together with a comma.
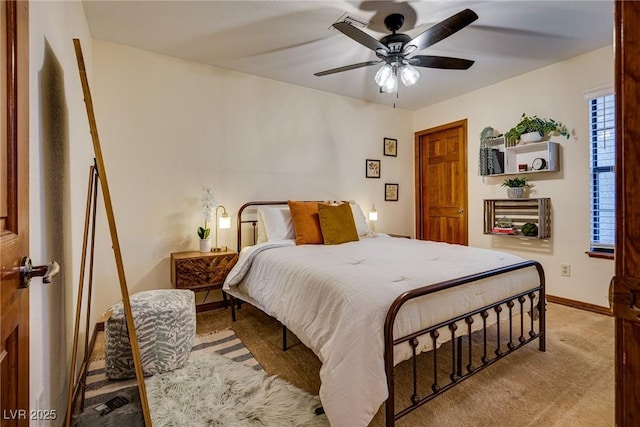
x: 290, y: 40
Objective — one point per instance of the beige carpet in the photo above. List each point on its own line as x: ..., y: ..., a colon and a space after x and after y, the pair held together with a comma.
x: 571, y: 384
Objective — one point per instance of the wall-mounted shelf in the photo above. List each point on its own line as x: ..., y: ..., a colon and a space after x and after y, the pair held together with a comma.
x: 519, y: 212
x: 509, y: 157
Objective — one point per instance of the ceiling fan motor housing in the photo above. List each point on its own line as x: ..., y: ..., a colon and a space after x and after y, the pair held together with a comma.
x: 394, y: 22
x: 395, y: 42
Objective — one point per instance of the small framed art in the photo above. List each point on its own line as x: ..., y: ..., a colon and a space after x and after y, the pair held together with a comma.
x: 373, y: 168
x: 391, y: 147
x: 391, y: 192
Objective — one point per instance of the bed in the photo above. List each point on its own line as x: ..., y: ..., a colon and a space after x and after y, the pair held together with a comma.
x: 365, y: 305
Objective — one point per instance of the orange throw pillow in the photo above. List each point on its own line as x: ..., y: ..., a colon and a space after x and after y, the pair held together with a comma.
x: 306, y: 222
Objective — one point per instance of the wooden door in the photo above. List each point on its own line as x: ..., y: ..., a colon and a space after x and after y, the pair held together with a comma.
x: 441, y: 183
x: 14, y: 226
x: 625, y: 288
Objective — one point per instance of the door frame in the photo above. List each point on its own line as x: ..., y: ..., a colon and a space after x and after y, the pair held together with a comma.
x: 14, y: 231
x: 624, y: 293
x: 419, y: 174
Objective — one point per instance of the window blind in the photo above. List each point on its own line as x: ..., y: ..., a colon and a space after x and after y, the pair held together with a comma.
x: 603, y: 157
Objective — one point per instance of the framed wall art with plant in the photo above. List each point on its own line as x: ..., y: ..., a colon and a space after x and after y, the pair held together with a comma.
x: 372, y: 168
x: 390, y: 147
x: 391, y: 192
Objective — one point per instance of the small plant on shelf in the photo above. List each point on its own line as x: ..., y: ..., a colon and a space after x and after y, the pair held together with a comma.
x: 516, y: 182
x: 516, y: 187
x: 529, y: 124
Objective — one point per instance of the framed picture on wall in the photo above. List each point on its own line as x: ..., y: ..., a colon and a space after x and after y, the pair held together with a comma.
x: 391, y: 147
x: 373, y: 168
x: 391, y: 192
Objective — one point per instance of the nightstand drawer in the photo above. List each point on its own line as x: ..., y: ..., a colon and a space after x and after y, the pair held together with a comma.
x: 194, y: 270
x: 200, y: 279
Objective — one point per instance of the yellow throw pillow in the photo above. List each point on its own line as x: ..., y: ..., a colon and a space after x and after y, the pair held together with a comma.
x: 337, y: 224
x: 306, y: 222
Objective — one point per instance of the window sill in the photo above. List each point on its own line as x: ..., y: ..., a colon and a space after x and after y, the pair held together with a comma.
x: 602, y: 255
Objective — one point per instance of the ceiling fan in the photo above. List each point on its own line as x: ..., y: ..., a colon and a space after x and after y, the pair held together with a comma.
x: 395, y: 49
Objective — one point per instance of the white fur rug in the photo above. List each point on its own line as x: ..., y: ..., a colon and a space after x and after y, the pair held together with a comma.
x: 212, y: 390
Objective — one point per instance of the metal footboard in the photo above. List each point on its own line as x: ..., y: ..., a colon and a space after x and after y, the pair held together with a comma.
x: 461, y: 352
x: 526, y: 302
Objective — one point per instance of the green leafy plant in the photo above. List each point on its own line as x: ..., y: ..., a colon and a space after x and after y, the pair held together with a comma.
x: 203, y: 232
x: 529, y: 229
x: 536, y: 124
x: 516, y: 182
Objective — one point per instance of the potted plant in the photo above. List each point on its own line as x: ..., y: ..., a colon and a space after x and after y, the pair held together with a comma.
x: 208, y: 201
x: 533, y: 128
x: 516, y: 187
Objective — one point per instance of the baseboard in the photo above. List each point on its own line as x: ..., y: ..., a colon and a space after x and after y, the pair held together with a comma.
x: 580, y: 305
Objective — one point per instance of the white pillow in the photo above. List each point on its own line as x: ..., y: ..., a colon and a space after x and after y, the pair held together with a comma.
x: 277, y: 223
x: 262, y: 232
x: 361, y: 221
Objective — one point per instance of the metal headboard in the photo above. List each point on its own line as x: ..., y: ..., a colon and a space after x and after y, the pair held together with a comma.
x: 253, y: 222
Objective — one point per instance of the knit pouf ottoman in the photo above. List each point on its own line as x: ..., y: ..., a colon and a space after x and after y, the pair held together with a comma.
x: 165, y: 322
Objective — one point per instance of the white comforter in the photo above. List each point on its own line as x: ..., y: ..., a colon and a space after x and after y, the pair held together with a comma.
x: 335, y: 299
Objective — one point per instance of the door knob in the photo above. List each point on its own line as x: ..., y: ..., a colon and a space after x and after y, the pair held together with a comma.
x: 27, y: 271
x: 460, y: 211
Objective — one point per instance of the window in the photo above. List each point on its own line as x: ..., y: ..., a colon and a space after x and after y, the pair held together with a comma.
x: 603, y: 157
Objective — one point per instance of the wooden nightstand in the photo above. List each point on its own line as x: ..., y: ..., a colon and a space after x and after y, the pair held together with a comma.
x: 404, y: 236
x: 202, y: 271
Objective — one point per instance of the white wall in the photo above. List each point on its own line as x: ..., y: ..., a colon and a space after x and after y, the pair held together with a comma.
x: 168, y: 127
x: 59, y: 156
x: 557, y: 92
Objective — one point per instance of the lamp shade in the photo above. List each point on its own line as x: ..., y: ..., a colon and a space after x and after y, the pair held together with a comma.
x: 383, y: 74
x: 390, y: 85
x: 373, y: 214
x: 409, y: 75
x: 224, y: 222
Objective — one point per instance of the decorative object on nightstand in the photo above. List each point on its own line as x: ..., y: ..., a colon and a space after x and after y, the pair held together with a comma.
x: 222, y: 223
x: 373, y: 217
x: 208, y: 201
x: 202, y: 272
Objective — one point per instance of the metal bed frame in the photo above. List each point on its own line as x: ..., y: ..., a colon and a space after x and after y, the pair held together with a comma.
x: 456, y: 373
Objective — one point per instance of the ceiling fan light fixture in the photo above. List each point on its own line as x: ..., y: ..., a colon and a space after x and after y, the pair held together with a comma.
x: 390, y: 85
x: 383, y: 74
x: 409, y: 75
x: 409, y: 48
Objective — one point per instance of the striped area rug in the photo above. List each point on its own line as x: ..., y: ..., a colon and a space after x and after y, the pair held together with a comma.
x: 99, y: 388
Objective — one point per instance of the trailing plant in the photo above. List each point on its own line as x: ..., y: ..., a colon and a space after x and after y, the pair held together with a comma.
x: 536, y: 124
